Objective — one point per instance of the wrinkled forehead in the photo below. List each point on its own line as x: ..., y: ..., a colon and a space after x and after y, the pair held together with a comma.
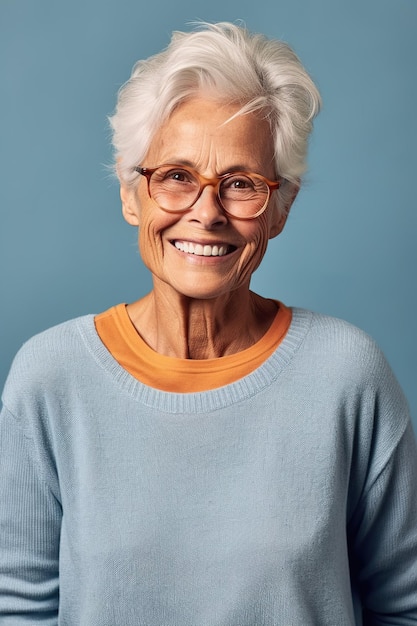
x: 204, y: 133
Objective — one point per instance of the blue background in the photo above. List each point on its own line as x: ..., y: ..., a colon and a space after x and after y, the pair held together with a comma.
x: 349, y: 247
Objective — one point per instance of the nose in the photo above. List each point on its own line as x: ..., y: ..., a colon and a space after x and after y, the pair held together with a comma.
x: 207, y: 210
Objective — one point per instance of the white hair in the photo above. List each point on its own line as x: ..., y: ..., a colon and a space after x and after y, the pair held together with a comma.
x: 231, y: 65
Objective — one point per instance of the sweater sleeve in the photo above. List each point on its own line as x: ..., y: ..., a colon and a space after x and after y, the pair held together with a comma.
x: 30, y: 518
x: 383, y: 528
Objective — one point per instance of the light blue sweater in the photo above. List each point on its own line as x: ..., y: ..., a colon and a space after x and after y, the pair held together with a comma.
x: 286, y: 498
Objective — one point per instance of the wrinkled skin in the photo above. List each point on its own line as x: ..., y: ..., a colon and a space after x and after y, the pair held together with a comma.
x: 201, y: 306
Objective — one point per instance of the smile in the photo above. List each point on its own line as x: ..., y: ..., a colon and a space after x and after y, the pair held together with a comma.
x: 203, y: 250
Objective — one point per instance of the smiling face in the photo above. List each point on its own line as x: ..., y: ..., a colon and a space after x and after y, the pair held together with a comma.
x: 204, y: 253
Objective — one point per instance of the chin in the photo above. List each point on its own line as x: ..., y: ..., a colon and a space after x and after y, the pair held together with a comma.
x: 200, y: 294
x: 201, y: 291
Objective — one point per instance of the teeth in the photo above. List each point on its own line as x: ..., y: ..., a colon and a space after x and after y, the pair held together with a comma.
x: 199, y: 250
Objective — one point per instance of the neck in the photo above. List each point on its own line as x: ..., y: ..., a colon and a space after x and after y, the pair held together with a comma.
x: 187, y: 328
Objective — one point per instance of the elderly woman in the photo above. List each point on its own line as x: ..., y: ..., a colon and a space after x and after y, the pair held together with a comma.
x: 206, y: 456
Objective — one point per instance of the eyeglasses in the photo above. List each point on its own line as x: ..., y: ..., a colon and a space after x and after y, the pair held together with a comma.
x: 175, y: 188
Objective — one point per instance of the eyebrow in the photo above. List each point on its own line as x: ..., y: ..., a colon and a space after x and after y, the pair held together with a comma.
x: 229, y: 170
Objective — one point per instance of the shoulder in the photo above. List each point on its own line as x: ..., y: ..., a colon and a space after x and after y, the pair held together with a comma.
x: 337, y: 331
x: 47, y: 357
x: 344, y: 368
x: 336, y: 355
x: 54, y: 342
x: 338, y: 343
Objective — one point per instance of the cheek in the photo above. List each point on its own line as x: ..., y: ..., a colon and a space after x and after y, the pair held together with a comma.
x: 149, y: 245
x: 257, y: 237
x: 152, y: 224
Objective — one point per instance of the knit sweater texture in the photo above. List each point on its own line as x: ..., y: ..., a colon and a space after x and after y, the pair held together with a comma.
x: 285, y: 498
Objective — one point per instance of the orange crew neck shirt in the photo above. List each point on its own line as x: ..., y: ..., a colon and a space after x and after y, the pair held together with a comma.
x: 166, y: 373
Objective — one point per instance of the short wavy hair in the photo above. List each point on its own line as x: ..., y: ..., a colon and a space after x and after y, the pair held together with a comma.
x: 231, y: 65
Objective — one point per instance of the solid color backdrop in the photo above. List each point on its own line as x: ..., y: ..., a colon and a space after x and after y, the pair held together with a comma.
x: 349, y: 247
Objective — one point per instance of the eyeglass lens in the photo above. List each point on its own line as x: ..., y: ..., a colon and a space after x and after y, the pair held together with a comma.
x: 177, y: 189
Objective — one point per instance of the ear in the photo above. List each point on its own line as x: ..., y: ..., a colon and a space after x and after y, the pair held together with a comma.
x: 280, y: 214
x: 130, y: 205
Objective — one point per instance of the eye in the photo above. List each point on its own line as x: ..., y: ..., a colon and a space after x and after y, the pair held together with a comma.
x: 179, y: 175
x: 174, y: 175
x: 242, y: 183
x: 238, y: 184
